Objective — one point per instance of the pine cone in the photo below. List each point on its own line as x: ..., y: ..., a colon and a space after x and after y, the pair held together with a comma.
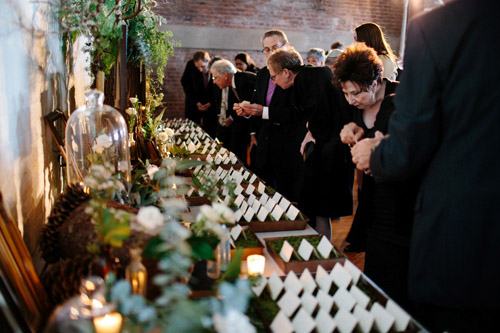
x: 72, y: 197
x: 62, y: 279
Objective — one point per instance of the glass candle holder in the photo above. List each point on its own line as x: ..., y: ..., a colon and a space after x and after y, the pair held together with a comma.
x: 256, y: 264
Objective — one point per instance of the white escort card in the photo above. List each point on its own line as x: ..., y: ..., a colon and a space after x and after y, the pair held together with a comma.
x: 309, y: 302
x: 292, y: 212
x: 288, y: 303
x: 252, y: 179
x: 223, y: 151
x: 345, y: 321
x: 402, y: 319
x: 292, y: 283
x: 234, y: 159
x: 204, y: 150
x: 250, y: 189
x: 238, y: 189
x: 270, y: 204
x: 244, y: 206
x: 225, y: 191
x: 323, y: 280
x: 344, y: 300
x: 286, y: 251
x: 284, y: 203
x: 219, y: 171
x: 277, y: 213
x: 249, y: 214
x: 281, y: 324
x: 239, y: 214
x: 227, y: 199
x: 262, y: 214
x: 212, y: 151
x: 190, y: 192
x: 260, y: 285
x: 246, y: 174
x: 361, y: 298
x: 218, y: 159
x: 261, y: 188
x: 178, y: 142
x: 256, y: 205
x: 227, y: 160
x: 325, y: 301
x: 307, y: 281
x: 236, y: 231
x: 251, y: 199
x: 305, y: 249
x: 276, y: 197
x: 365, y: 319
x: 263, y: 198
x: 325, y: 247
x: 275, y: 285
x: 340, y: 276
x: 209, y: 159
x: 303, y: 322
x: 383, y: 319
x: 191, y: 147
x: 197, y: 169
x: 324, y: 323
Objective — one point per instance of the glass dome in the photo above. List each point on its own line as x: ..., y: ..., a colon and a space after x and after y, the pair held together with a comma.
x: 96, y: 134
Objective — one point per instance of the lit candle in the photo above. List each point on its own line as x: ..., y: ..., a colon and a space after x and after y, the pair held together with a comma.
x: 109, y: 323
x: 255, y: 264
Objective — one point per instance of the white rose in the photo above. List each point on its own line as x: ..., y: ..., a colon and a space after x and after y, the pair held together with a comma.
x: 209, y: 213
x: 104, y: 140
x: 98, y: 148
x: 225, y: 212
x: 233, y: 322
x: 150, y: 218
x: 169, y: 132
x: 152, y: 169
x: 133, y: 100
x: 162, y: 136
x: 131, y: 111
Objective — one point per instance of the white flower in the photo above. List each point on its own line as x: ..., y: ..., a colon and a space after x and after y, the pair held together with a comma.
x: 104, y: 140
x: 133, y: 100
x: 169, y: 132
x: 152, y: 169
x: 123, y: 166
x: 150, y: 218
x: 233, y: 322
x: 208, y: 213
x: 225, y: 212
x: 131, y: 111
x: 98, y: 149
x: 162, y: 136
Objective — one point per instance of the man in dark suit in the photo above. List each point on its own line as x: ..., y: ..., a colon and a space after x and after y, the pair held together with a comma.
x: 445, y: 130
x: 199, y: 95
x: 235, y: 87
x: 278, y: 126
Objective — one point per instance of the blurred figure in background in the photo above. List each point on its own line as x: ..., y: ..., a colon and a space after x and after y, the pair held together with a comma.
x: 332, y: 57
x: 244, y: 63
x: 316, y: 57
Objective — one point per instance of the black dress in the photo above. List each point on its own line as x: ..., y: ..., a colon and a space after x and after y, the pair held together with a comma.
x: 383, y: 220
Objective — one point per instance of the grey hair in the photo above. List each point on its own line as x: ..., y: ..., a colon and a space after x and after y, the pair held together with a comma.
x: 223, y: 66
x: 317, y: 53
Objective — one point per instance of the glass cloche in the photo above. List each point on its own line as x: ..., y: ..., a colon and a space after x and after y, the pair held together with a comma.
x: 96, y: 134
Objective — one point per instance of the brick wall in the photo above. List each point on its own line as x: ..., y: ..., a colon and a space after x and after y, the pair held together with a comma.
x: 313, y: 17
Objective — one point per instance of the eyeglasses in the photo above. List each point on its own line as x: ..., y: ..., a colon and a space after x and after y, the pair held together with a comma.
x: 273, y: 48
x: 273, y: 77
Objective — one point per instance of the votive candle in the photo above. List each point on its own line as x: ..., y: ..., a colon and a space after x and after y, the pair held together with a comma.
x: 109, y: 323
x: 255, y: 264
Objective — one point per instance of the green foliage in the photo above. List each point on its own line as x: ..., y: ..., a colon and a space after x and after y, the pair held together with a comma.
x: 233, y: 269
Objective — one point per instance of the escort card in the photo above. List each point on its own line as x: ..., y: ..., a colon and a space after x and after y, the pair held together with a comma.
x: 209, y: 159
x: 227, y: 199
x: 288, y: 303
x: 249, y: 214
x: 262, y: 214
x: 204, y: 150
x: 219, y: 171
x: 292, y: 212
x: 238, y: 189
x: 303, y: 322
x: 307, y: 281
x: 281, y: 324
x: 256, y: 205
x: 383, y: 319
x: 270, y: 204
x: 236, y: 231
x: 276, y: 197
x: 260, y: 285
x: 261, y: 188
x: 346, y: 322
x: 344, y: 300
x: 292, y: 283
x: 197, y: 169
x: 277, y: 212
x: 324, y: 323
x: 227, y: 160
x: 263, y: 198
x: 252, y: 179
x: 361, y: 298
x: 250, y: 189
x: 325, y: 247
x: 275, y: 285
x: 353, y: 270
x: 251, y: 199
x: 238, y: 214
x: 234, y: 159
x: 402, y: 319
x: 340, y: 276
x: 286, y: 251
x: 191, y: 147
x: 222, y: 151
x: 323, y: 280
x: 178, y: 142
x: 190, y: 192
x: 309, y: 302
x: 181, y: 129
x: 246, y: 174
x: 244, y: 206
x: 305, y: 248
x: 225, y: 190
x: 207, y: 141
x: 212, y: 151
x: 365, y: 319
x: 284, y: 203
x: 218, y: 159
x: 325, y: 301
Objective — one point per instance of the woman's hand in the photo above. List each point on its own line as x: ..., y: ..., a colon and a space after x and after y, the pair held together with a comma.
x: 308, y: 138
x: 362, y: 151
x: 351, y: 134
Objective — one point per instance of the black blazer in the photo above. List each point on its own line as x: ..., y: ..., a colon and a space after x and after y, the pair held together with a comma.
x: 195, y: 91
x: 446, y: 129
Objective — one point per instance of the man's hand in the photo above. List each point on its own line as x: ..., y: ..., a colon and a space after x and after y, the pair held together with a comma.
x: 308, y: 138
x: 361, y: 152
x: 253, y: 141
x: 253, y: 109
x: 351, y: 134
x: 240, y: 111
x: 228, y: 122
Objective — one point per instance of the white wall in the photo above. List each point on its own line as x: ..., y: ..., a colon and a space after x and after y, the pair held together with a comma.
x: 33, y: 82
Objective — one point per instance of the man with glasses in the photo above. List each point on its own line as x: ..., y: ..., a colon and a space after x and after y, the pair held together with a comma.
x: 280, y: 128
x: 328, y: 176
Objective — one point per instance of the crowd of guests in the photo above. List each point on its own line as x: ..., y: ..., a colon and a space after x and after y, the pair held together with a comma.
x: 423, y: 150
